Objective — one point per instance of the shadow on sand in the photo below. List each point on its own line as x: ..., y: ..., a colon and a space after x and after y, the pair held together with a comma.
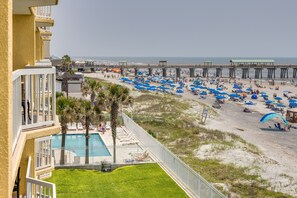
x: 273, y: 130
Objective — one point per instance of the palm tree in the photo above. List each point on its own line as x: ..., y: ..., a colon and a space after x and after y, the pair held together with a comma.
x: 66, y: 62
x: 90, y: 113
x: 65, y: 111
x: 91, y: 87
x: 117, y: 95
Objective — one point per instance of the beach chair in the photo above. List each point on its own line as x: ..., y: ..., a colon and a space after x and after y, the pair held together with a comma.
x: 142, y: 157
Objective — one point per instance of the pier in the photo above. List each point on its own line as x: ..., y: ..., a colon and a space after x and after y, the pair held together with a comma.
x: 245, y: 66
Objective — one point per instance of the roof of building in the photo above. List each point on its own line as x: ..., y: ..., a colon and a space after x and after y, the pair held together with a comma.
x: 251, y: 61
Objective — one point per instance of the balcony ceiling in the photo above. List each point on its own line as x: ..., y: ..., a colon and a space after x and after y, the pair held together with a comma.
x: 23, y: 6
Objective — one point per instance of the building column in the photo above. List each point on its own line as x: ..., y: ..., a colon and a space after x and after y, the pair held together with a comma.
x: 164, y: 72
x: 245, y: 73
x: 294, y: 72
x: 122, y: 71
x: 218, y: 72
x: 205, y: 72
x: 177, y: 72
x: 231, y: 72
x: 6, y: 181
x: 258, y: 73
x: 284, y: 73
x: 192, y: 72
x: 150, y: 71
x: 271, y: 73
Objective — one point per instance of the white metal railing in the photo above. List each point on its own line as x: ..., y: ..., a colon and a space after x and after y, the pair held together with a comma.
x: 38, y: 188
x: 44, y: 12
x: 34, y: 99
x: 191, y: 179
x: 43, y: 151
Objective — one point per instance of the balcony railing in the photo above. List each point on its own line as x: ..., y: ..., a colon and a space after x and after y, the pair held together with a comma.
x: 34, y: 99
x: 43, y: 148
x: 44, y: 12
x: 38, y: 188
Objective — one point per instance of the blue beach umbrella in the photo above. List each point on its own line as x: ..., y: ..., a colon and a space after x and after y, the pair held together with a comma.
x: 268, y: 102
x: 203, y: 93
x: 249, y: 103
x: 233, y: 95
x: 179, y: 91
x: 280, y: 105
x: 270, y: 116
x: 254, y: 97
x: 223, y: 93
x: 278, y: 98
x: 292, y: 101
x: 263, y: 93
x: 220, y: 97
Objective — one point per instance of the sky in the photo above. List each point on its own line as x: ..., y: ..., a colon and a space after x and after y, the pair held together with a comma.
x: 175, y: 28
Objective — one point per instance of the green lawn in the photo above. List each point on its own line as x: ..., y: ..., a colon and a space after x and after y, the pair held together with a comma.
x: 147, y: 180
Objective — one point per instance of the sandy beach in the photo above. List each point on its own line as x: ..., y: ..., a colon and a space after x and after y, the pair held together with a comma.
x: 278, y: 159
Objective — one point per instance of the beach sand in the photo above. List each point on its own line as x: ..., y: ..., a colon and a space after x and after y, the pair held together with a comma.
x: 278, y: 161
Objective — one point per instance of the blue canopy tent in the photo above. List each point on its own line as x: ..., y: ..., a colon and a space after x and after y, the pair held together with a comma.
x: 270, y: 116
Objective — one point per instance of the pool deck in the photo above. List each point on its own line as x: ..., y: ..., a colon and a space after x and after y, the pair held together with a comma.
x: 127, y: 149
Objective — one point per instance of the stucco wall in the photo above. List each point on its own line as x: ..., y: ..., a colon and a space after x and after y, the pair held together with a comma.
x: 23, y: 41
x: 6, y: 97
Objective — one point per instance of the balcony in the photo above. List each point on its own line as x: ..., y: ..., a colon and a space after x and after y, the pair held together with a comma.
x: 34, y: 102
x: 38, y: 188
x: 23, y: 6
x: 44, y: 16
x: 45, y: 31
x: 43, y: 161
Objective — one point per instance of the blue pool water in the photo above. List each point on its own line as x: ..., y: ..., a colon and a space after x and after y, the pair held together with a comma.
x: 77, y: 144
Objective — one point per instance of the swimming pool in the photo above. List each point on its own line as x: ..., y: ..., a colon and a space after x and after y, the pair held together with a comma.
x: 77, y: 144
